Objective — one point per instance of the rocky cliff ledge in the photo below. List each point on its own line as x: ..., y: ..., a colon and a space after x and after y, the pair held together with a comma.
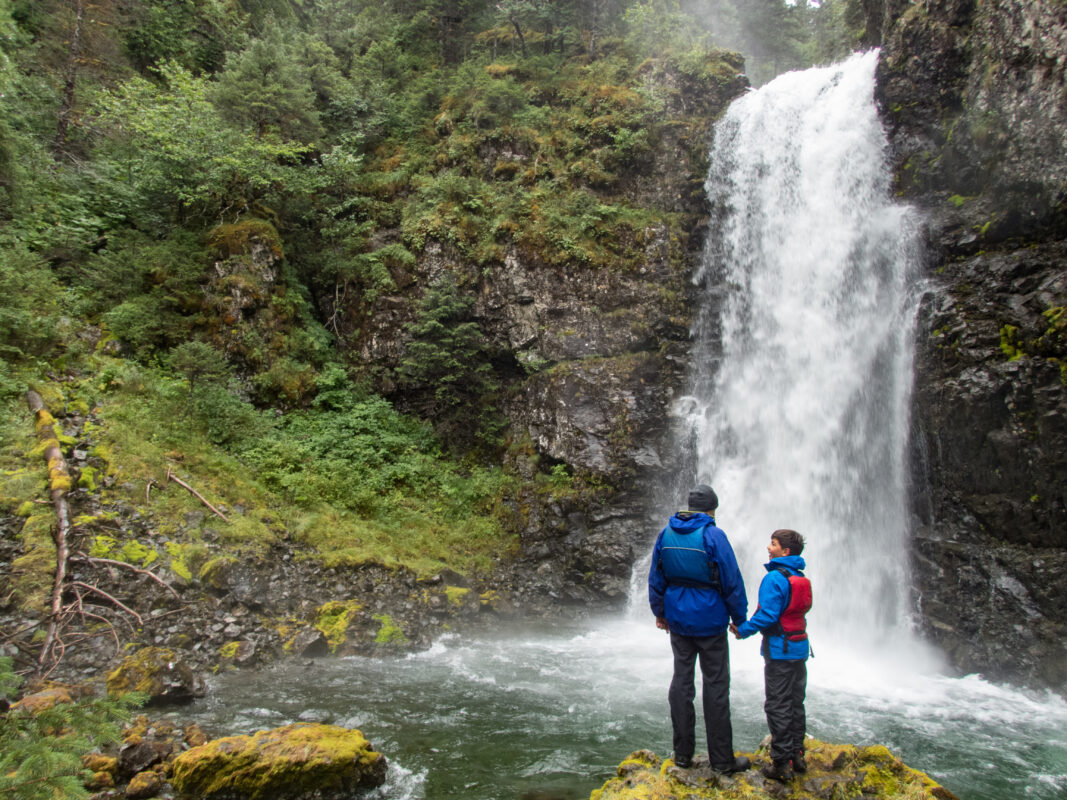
x: 974, y: 103
x: 586, y: 350
x: 833, y: 771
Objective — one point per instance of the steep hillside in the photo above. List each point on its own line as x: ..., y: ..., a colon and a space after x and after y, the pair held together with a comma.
x: 336, y: 303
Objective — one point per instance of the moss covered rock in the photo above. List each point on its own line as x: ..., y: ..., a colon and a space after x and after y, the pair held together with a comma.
x: 294, y: 761
x: 158, y: 673
x: 45, y: 699
x: 834, y: 771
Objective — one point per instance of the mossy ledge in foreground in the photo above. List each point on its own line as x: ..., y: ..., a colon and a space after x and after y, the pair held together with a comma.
x: 835, y: 772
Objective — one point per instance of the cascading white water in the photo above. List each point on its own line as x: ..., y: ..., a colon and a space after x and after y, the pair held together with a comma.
x: 802, y: 359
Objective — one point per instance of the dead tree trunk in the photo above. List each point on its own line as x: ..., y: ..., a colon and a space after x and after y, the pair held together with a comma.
x: 71, y: 79
x: 59, y: 483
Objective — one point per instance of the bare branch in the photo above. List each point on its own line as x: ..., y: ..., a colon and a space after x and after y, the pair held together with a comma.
x: 195, y: 493
x: 114, y: 600
x: 83, y: 613
x: 93, y: 560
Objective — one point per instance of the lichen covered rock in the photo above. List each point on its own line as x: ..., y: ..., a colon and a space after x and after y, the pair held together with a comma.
x: 158, y: 673
x: 45, y: 699
x: 834, y: 771
x: 294, y: 761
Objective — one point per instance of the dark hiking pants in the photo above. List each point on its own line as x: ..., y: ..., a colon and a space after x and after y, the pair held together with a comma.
x: 714, y: 658
x: 785, y: 683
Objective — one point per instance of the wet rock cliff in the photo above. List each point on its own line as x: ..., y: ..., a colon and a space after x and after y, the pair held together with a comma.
x: 587, y: 352
x: 974, y: 98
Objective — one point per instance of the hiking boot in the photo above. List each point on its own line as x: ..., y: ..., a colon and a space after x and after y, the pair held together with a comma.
x: 777, y: 771
x: 799, y: 764
x: 683, y: 763
x: 739, y: 764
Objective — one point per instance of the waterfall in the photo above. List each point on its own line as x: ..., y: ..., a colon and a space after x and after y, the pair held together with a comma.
x: 797, y: 406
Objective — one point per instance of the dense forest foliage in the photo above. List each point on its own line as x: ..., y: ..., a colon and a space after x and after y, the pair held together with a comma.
x: 155, y: 155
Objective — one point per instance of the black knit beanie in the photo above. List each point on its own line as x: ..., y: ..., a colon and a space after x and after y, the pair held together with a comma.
x: 703, y: 498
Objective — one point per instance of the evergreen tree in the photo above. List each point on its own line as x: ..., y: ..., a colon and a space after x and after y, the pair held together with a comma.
x: 447, y: 372
x: 266, y: 87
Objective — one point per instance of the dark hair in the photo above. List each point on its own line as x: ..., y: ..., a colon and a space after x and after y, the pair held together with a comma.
x: 789, y: 540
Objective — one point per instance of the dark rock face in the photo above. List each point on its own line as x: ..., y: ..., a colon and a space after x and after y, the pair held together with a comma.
x: 974, y: 103
x: 593, y: 353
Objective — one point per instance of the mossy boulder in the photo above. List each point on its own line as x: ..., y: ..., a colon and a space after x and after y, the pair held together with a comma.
x: 45, y: 699
x: 295, y: 761
x: 834, y: 771
x: 144, y: 785
x: 159, y: 673
x: 216, y: 573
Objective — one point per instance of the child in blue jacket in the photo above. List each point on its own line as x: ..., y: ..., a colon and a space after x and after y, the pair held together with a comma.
x: 784, y: 600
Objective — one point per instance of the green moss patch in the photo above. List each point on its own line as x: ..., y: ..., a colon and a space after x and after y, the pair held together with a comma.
x: 389, y: 633
x: 296, y: 761
x: 333, y: 618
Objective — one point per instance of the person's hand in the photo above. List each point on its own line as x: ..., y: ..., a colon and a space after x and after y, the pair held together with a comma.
x: 734, y: 631
x: 661, y: 623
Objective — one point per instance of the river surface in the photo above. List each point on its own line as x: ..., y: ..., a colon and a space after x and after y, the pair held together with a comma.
x: 548, y: 712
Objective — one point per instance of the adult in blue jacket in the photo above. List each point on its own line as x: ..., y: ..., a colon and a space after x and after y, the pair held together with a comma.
x: 784, y: 600
x: 695, y: 589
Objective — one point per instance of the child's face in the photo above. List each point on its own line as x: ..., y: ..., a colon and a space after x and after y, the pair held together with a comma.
x: 775, y: 550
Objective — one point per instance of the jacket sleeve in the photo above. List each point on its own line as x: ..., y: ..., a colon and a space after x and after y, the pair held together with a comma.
x: 733, y: 585
x: 657, y: 583
x: 773, y: 596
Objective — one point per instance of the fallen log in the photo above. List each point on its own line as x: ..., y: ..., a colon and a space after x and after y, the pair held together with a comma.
x: 59, y: 483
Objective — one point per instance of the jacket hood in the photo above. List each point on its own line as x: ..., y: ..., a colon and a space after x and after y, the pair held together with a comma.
x: 795, y: 563
x: 689, y: 521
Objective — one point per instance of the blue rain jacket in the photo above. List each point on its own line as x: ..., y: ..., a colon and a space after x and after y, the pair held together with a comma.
x: 773, y: 599
x: 698, y: 610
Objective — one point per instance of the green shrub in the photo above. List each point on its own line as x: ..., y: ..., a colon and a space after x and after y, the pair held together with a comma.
x: 30, y: 305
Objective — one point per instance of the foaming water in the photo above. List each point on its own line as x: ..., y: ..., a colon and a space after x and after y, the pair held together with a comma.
x: 550, y: 711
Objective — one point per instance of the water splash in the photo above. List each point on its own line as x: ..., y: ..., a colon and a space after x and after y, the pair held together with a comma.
x: 802, y: 360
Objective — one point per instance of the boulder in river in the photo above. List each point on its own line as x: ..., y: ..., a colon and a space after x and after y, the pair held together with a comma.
x: 296, y: 761
x: 159, y: 673
x: 834, y: 771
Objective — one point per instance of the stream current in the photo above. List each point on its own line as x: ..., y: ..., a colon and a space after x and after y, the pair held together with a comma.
x: 796, y: 412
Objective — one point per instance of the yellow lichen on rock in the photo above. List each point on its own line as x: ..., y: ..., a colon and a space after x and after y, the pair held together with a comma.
x: 43, y: 700
x: 215, y: 574
x: 456, y: 595
x: 333, y: 618
x: 294, y: 761
x: 98, y: 762
x: 834, y: 771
